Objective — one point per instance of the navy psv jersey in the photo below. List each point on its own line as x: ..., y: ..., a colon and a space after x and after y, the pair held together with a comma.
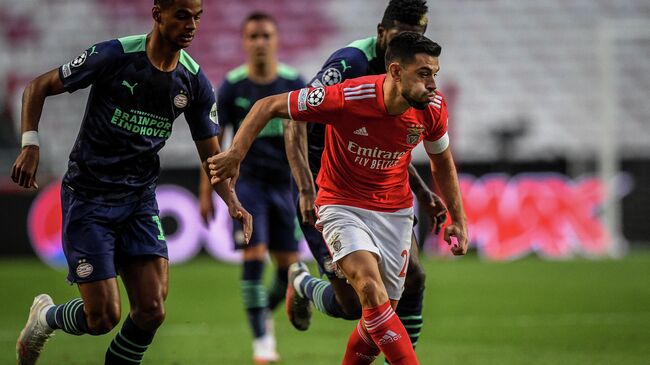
x: 357, y: 59
x: 266, y: 160
x: 129, y: 116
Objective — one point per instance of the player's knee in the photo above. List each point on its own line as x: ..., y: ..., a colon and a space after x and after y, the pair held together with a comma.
x: 149, y: 316
x: 102, y: 321
x: 415, y: 279
x: 370, y: 291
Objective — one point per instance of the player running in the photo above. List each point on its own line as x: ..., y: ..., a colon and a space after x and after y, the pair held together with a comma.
x: 265, y: 184
x: 362, y: 57
x: 139, y: 86
x: 364, y: 203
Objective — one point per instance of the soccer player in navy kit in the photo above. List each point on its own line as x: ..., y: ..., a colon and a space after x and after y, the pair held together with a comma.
x: 139, y: 86
x: 265, y: 184
x: 337, y: 298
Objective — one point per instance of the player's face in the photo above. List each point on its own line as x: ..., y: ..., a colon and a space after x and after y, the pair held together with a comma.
x: 179, y: 22
x: 260, y: 40
x: 385, y: 35
x: 417, y: 80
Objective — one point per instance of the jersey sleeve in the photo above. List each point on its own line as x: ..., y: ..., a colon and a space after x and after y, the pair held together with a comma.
x: 346, y: 63
x: 437, y: 140
x: 90, y: 65
x: 201, y: 114
x: 226, y: 105
x: 316, y: 104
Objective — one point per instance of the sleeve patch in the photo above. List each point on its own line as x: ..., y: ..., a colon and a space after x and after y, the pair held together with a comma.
x: 302, y: 99
x: 331, y: 76
x: 316, y: 97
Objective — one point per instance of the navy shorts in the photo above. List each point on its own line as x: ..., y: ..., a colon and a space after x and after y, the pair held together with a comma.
x: 98, y: 237
x: 274, y: 216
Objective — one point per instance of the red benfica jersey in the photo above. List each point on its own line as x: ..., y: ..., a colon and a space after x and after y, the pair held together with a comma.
x: 367, y: 151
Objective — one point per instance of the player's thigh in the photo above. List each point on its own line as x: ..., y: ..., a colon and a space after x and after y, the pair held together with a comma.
x: 254, y: 199
x: 145, y: 279
x: 101, y: 298
x: 319, y: 250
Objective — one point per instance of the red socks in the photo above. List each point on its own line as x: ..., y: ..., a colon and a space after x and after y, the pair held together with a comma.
x: 388, y: 332
x: 361, y: 349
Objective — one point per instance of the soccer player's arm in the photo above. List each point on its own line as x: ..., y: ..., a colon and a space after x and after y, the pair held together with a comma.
x: 76, y: 74
x: 443, y: 170
x: 295, y: 142
x: 297, y: 150
x: 321, y: 105
x: 201, y: 117
x: 225, y: 116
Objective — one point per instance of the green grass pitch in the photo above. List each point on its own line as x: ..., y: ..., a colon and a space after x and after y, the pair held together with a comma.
x: 523, y: 312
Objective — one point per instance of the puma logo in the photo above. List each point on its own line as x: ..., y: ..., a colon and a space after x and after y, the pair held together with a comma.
x: 92, y: 51
x: 125, y: 83
x: 345, y: 65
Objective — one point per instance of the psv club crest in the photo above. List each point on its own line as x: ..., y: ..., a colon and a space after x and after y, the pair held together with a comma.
x: 414, y: 132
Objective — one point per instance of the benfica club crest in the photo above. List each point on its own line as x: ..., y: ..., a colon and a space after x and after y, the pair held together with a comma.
x: 414, y: 132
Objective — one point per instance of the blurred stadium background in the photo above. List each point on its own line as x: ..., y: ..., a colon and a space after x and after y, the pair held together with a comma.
x: 550, y: 125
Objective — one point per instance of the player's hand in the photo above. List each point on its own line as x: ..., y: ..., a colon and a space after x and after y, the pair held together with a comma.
x: 206, y: 206
x: 307, y: 211
x: 238, y: 212
x: 434, y: 208
x: 24, y: 170
x: 223, y: 166
x: 459, y: 231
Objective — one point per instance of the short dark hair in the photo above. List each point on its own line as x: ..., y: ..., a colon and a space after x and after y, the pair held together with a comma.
x: 404, y: 46
x: 411, y: 12
x: 163, y: 4
x: 257, y: 16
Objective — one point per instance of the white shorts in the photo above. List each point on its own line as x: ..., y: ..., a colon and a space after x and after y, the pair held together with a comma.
x: 386, y: 234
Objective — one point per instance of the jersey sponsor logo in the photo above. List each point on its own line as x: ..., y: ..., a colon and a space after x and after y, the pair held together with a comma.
x: 361, y: 132
x: 302, y: 100
x: 180, y: 100
x: 142, y: 123
x: 79, y: 60
x: 316, y: 97
x: 373, y: 157
x: 65, y: 70
x: 362, y: 91
x: 213, y: 114
x: 331, y: 76
x: 414, y: 132
x: 345, y: 65
x: 84, y: 269
x: 129, y: 86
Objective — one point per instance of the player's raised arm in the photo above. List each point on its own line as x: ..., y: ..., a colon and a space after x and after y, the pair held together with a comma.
x: 226, y: 164
x: 24, y: 169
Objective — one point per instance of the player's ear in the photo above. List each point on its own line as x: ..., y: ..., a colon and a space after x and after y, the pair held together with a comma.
x: 155, y: 13
x: 395, y: 70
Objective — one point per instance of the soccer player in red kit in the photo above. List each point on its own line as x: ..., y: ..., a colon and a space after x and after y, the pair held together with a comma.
x: 365, y: 206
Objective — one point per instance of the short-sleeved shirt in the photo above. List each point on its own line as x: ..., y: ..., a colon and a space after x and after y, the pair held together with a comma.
x: 267, y: 159
x: 129, y: 116
x: 367, y: 151
x: 357, y: 59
